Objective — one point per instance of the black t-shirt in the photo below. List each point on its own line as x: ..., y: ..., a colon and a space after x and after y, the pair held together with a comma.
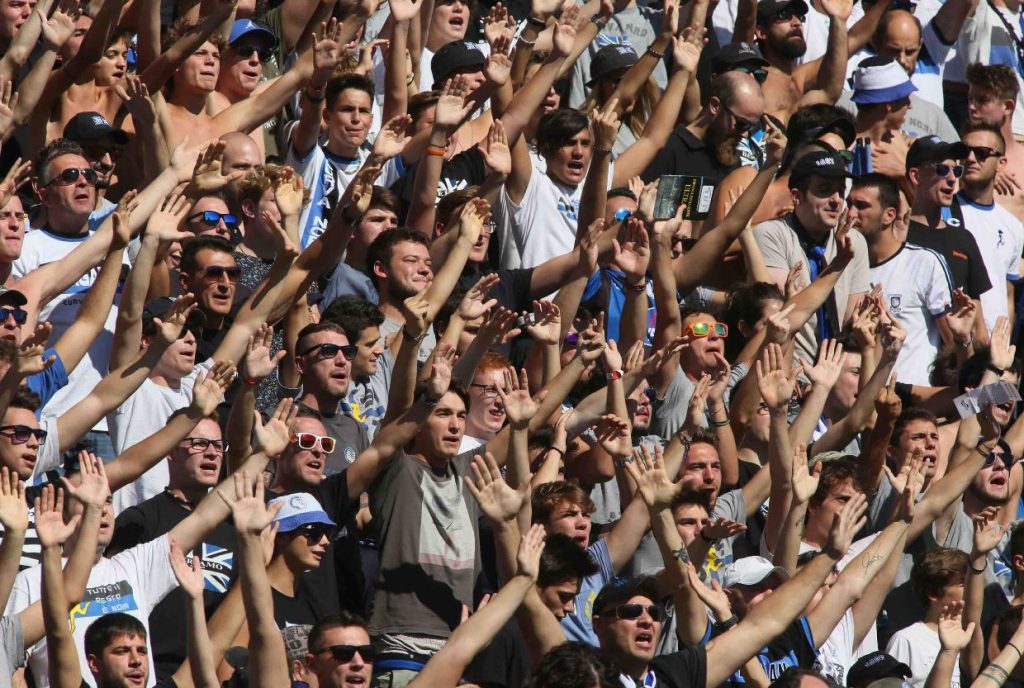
x: 960, y: 250
x: 504, y: 663
x: 303, y: 609
x: 684, y: 669
x: 512, y: 290
x: 461, y: 172
x: 167, y: 623
x: 684, y: 153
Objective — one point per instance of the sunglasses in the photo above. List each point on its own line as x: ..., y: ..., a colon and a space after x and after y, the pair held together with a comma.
x: 212, y: 217
x: 198, y: 445
x: 1007, y: 459
x: 787, y: 14
x: 19, y: 434
x: 19, y: 314
x: 703, y: 329
x: 983, y: 153
x: 623, y: 214
x: 651, y: 394
x: 245, y: 52
x: 215, y: 272
x: 331, y: 350
x: 314, y: 532
x: 943, y: 170
x: 71, y: 175
x: 740, y: 125
x: 634, y: 611
x: 759, y: 73
x: 308, y: 440
x: 345, y: 653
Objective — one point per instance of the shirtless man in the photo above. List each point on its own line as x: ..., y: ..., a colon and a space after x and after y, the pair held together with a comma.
x: 992, y: 98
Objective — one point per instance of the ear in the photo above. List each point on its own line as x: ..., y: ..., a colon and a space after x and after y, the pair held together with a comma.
x: 889, y: 216
x: 744, y: 328
x: 249, y: 209
x: 183, y: 280
x: 914, y: 175
x: 379, y: 270
x: 94, y: 664
x: 794, y: 195
x: 1001, y: 165
x: 1018, y: 562
x: 1010, y: 106
x: 714, y: 105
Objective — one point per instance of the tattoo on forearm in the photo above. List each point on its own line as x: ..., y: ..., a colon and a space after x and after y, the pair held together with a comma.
x: 996, y: 674
x: 871, y: 559
x: 682, y: 555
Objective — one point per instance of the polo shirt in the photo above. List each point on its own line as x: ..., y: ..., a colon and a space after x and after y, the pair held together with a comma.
x: 684, y: 153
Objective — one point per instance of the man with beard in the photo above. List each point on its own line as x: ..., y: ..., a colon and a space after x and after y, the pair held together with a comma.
x: 809, y: 235
x: 707, y: 146
x: 933, y: 168
x: 992, y: 99
x: 102, y: 145
x: 998, y: 232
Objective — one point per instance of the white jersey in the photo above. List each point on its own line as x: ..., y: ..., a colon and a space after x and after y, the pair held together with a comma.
x: 132, y: 583
x: 42, y: 247
x: 1000, y: 238
x: 918, y: 646
x: 918, y: 289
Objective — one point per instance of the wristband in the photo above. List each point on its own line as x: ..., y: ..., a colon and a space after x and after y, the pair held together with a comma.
x: 655, y: 53
x: 613, y: 375
x: 431, y: 403
x: 995, y: 369
x: 981, y: 570
x: 598, y: 149
x: 308, y: 92
x: 409, y: 338
x: 560, y: 452
x: 599, y: 21
x: 640, y: 286
x: 723, y: 626
x: 526, y: 42
x: 1015, y: 649
x: 719, y: 423
x: 536, y: 22
x: 249, y: 382
x: 434, y: 150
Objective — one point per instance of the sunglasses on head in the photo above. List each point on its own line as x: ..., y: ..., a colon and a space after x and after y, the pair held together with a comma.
x: 331, y: 350
x: 943, y: 169
x: 703, y: 329
x: 634, y: 611
x: 19, y: 434
x: 345, y: 653
x: 215, y: 272
x: 314, y: 532
x: 19, y: 314
x: 759, y: 73
x: 983, y: 153
x: 71, y: 175
x: 212, y: 217
x: 308, y: 440
x: 245, y: 51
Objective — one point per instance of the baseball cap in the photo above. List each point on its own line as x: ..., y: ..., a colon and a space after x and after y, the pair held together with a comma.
x: 840, y: 126
x: 879, y: 80
x: 876, y: 666
x: 157, y: 308
x: 766, y: 9
x: 454, y: 57
x: 299, y: 509
x: 610, y: 58
x: 933, y: 149
x: 621, y: 589
x: 820, y: 163
x: 735, y: 54
x: 750, y: 571
x: 247, y: 27
x: 92, y: 126
x: 14, y: 295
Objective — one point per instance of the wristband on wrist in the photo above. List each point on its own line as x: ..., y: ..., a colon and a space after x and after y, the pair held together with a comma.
x: 599, y: 21
x: 434, y: 150
x: 655, y: 53
x: 409, y: 338
x: 613, y: 375
x: 313, y: 95
x: 536, y: 22
x: 723, y: 626
x: 995, y: 369
x: 966, y: 344
x: 719, y: 423
x: 981, y: 570
x: 526, y: 42
x: 599, y: 149
x: 431, y: 403
x: 639, y: 286
x: 249, y: 382
x: 1015, y: 649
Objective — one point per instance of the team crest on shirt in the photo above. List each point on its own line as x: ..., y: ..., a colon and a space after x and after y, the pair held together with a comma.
x: 1001, y: 240
x: 570, y: 209
x: 894, y: 302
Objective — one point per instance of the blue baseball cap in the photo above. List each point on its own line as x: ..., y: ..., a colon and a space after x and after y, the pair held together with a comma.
x: 299, y: 509
x: 247, y: 27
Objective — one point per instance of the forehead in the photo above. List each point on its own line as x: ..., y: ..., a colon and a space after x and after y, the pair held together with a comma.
x: 865, y: 194
x: 380, y: 213
x: 345, y: 635
x: 207, y: 428
x: 206, y: 257
x: 830, y: 184
x: 843, y: 488
x: 210, y: 203
x: 701, y: 452
x: 126, y: 639
x: 404, y: 249
x: 324, y: 337
x: 353, y: 96
x: 20, y: 416
x: 206, y: 48
x: 451, y: 402
x: 63, y: 162
x: 491, y: 376
x: 310, y: 424
x: 981, y: 138
x: 920, y: 425
x: 691, y: 511
x: 698, y: 318
x: 565, y: 505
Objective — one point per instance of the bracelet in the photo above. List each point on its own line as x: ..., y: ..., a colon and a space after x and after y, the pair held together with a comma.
x: 981, y: 570
x: 613, y: 375
x: 434, y: 150
x: 560, y: 452
x: 536, y: 22
x: 598, y: 149
x: 599, y: 22
x: 319, y: 98
x: 719, y: 423
x: 409, y: 79
x: 431, y: 403
x: 655, y: 53
x: 621, y: 461
x: 639, y: 287
x: 249, y: 382
x: 1015, y: 649
x: 722, y: 626
x: 995, y: 369
x: 526, y: 42
x: 409, y: 338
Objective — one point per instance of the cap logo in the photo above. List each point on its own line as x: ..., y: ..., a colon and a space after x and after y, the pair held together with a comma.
x: 874, y: 660
x: 825, y: 162
x: 100, y: 121
x: 604, y: 39
x: 624, y: 49
x: 297, y: 502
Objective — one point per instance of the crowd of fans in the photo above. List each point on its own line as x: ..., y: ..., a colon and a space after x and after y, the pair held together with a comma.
x: 625, y: 344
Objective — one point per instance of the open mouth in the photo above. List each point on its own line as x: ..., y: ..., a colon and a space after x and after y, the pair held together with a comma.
x: 209, y: 467
x: 29, y: 459
x: 644, y: 640
x: 999, y: 480
x: 457, y: 22
x: 575, y: 166
x: 315, y: 465
x: 355, y: 681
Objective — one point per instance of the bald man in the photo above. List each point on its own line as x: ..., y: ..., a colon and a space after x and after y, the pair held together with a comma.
x: 241, y: 153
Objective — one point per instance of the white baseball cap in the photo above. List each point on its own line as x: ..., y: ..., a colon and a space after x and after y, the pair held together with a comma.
x: 750, y: 571
x: 299, y: 509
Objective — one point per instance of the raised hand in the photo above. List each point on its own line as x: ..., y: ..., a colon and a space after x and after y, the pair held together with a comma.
x: 8, y: 102
x: 164, y: 222
x: 777, y: 328
x: 327, y: 50
x: 289, y: 193
x: 714, y: 597
x: 912, y: 489
x: 892, y: 334
x: 169, y: 329
x: 58, y: 29
x: 844, y: 244
x: 405, y: 10
x: 952, y: 634
x: 900, y: 480
x: 606, y: 125
x: 208, y: 175
x: 634, y: 254
x: 498, y: 500
x: 189, y: 575
x: 453, y: 105
x: 613, y: 434
x: 825, y: 373
x: 473, y: 305
x: 547, y: 323
x: 611, y: 359
x: 775, y: 142
x: 284, y: 242
x: 590, y: 345
x: 498, y: 66
x: 258, y: 362
x: 49, y: 518
x: 13, y: 509
x: 564, y: 36
x: 393, y: 137
x: 887, y: 402
x: 838, y: 10
x: 657, y: 359
x: 530, y: 549
x: 273, y: 437
x: 652, y: 482
x: 498, y: 25
x: 93, y: 488
x: 722, y: 528
x: 1001, y: 352
x: 27, y: 358
x: 20, y: 172
x: 499, y: 327
x: 441, y: 372
x: 249, y: 512
x: 719, y: 380
x: 494, y: 148
x: 804, y: 481
x: 472, y: 218
x: 137, y: 101
x: 960, y: 316
x: 775, y: 385
x: 520, y: 407
x: 845, y: 525
x: 365, y: 66
x: 697, y: 407
x: 208, y: 390
x: 988, y: 531
x: 122, y: 233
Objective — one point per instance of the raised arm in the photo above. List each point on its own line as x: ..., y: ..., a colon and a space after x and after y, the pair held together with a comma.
x: 62, y: 657
x: 326, y: 56
x: 776, y: 385
x: 14, y: 519
x: 160, y: 71
x: 831, y: 73
x: 200, y: 653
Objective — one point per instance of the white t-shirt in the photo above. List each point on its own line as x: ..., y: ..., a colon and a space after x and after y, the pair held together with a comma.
x: 931, y: 64
x: 543, y: 224
x: 141, y: 415
x: 917, y: 288
x: 470, y: 443
x: 1000, y: 238
x: 42, y: 247
x: 917, y: 646
x: 132, y: 582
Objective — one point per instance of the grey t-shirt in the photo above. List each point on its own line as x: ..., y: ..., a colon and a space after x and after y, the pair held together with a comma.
x: 367, y: 399
x: 349, y: 434
x: 669, y: 412
x: 427, y: 346
x: 426, y: 522
x: 924, y: 118
x: 347, y: 281
x: 13, y: 655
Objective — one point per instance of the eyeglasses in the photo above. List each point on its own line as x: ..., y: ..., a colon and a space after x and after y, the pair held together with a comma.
x: 314, y: 532
x: 198, y: 445
x: 308, y: 440
x: 942, y: 169
x: 983, y: 153
x: 787, y: 14
x: 8, y: 214
x: 71, y: 175
x: 19, y: 314
x: 634, y: 611
x: 212, y: 217
x: 344, y: 653
x: 487, y: 391
x: 760, y: 74
x: 740, y: 125
x: 19, y: 434
x: 349, y: 351
x: 703, y: 329
x: 215, y: 272
x: 245, y: 51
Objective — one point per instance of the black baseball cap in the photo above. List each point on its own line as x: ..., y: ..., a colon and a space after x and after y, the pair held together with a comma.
x: 12, y: 296
x: 933, y: 149
x: 157, y: 308
x: 92, y: 126
x: 817, y: 163
x: 735, y: 54
x: 840, y: 126
x: 621, y: 589
x: 766, y: 9
x: 875, y: 666
x: 455, y: 57
x: 609, y: 59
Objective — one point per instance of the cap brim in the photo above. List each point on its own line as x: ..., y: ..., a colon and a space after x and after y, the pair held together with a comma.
x: 14, y: 296
x: 286, y: 525
x: 883, y: 95
x: 782, y: 574
x: 267, y: 36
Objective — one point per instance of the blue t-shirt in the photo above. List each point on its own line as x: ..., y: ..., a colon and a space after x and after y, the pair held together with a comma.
x: 577, y: 626
x: 48, y: 382
x: 794, y: 648
x: 616, y: 300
